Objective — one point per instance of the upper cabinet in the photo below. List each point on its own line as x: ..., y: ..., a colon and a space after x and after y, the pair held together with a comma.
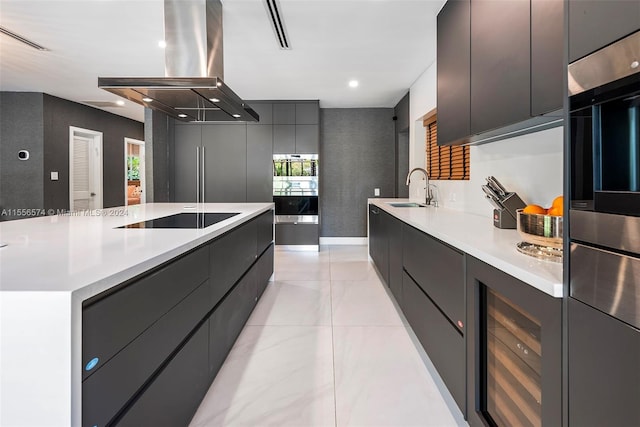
x: 595, y: 24
x: 547, y: 54
x: 296, y: 127
x: 454, y: 71
x: 499, y: 66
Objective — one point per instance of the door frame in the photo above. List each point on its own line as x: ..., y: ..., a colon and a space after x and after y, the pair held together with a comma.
x: 143, y: 182
x: 96, y: 138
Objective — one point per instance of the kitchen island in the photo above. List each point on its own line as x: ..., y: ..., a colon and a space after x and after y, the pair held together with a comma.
x: 53, y: 268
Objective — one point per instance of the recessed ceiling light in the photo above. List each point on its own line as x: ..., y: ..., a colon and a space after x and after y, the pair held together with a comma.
x: 162, y: 44
x: 120, y: 102
x: 219, y: 84
x: 147, y: 99
x: 237, y: 116
x: 182, y: 115
x: 214, y: 100
x: 353, y: 83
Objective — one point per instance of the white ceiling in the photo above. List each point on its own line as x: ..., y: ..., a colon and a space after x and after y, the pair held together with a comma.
x: 385, y: 44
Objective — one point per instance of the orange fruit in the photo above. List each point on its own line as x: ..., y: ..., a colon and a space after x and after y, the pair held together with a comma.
x: 555, y: 211
x: 558, y: 202
x: 534, y: 209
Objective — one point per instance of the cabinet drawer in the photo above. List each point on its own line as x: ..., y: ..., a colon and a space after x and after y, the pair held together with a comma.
x: 230, y: 256
x: 297, y: 234
x: 228, y: 319
x: 442, y: 342
x: 438, y: 270
x: 265, y: 270
x: 106, y: 391
x: 604, y: 379
x: 111, y: 323
x: 265, y: 230
x: 175, y: 394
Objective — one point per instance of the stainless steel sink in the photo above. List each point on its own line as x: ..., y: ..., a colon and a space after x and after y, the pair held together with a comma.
x: 406, y: 205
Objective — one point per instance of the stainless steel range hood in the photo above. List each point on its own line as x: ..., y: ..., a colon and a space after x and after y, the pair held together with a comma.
x: 192, y: 89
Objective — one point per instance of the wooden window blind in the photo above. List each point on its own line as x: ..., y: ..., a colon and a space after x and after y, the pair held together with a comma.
x: 446, y: 163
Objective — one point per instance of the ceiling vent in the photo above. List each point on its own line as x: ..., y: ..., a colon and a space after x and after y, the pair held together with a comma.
x: 21, y: 39
x: 277, y: 23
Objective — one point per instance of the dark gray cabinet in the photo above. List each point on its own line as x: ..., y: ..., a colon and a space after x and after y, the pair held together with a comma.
x: 296, y: 127
x: 174, y: 395
x: 604, y: 379
x: 547, y: 53
x: 595, y: 24
x: 394, y: 234
x: 500, y: 67
x: 385, y: 248
x: 307, y: 139
x: 111, y: 387
x: 454, y: 72
x: 225, y: 172
x: 307, y: 113
x: 188, y: 140
x: 439, y: 270
x: 297, y: 234
x: 378, y: 242
x: 284, y: 113
x: 442, y: 342
x: 259, y: 163
x: 284, y: 139
x: 159, y: 339
x: 500, y: 63
x: 514, y: 350
x: 109, y: 324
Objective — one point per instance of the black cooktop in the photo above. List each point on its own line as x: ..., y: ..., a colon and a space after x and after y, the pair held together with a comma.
x: 183, y: 220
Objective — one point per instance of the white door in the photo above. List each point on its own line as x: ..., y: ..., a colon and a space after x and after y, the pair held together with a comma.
x: 85, y: 169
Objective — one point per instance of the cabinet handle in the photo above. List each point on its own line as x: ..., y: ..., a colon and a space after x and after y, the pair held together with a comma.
x: 375, y: 212
x: 203, y: 177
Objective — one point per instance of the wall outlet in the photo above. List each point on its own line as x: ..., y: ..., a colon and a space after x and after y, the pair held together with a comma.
x: 452, y: 197
x: 376, y: 192
x: 54, y: 176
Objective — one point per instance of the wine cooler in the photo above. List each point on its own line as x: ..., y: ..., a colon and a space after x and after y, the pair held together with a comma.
x: 513, y: 364
x: 513, y: 351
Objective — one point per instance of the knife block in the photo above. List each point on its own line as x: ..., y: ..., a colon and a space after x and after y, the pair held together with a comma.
x: 507, y: 217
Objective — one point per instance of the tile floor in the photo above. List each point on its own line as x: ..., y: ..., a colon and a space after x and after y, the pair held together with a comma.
x: 326, y: 346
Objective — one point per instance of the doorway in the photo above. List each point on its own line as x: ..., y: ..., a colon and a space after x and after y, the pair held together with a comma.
x: 134, y: 181
x: 85, y: 169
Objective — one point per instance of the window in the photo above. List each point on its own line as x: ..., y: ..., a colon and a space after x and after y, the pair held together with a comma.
x: 445, y: 163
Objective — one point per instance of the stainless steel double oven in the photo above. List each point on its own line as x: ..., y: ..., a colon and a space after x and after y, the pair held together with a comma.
x: 604, y: 217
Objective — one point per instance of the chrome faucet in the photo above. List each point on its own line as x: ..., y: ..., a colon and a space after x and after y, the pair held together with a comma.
x: 429, y: 194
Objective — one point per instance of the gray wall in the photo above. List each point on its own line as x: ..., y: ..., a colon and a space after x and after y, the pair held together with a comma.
x: 21, y: 128
x: 357, y: 154
x: 59, y: 114
x: 40, y: 122
x: 401, y: 111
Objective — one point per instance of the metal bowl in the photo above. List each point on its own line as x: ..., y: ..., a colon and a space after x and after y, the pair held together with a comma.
x: 543, y: 230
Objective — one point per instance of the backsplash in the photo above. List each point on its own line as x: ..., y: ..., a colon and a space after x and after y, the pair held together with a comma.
x: 530, y: 165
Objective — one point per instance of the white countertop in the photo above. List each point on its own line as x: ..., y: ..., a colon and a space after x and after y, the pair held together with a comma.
x: 87, y: 254
x: 476, y: 235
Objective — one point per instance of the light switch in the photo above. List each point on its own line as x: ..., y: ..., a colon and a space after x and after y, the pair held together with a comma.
x: 376, y: 191
x: 54, y: 176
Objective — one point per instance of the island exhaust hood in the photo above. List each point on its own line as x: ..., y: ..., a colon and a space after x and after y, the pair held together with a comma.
x: 192, y: 89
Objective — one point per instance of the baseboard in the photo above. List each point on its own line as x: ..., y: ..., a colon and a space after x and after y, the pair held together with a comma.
x: 343, y: 241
